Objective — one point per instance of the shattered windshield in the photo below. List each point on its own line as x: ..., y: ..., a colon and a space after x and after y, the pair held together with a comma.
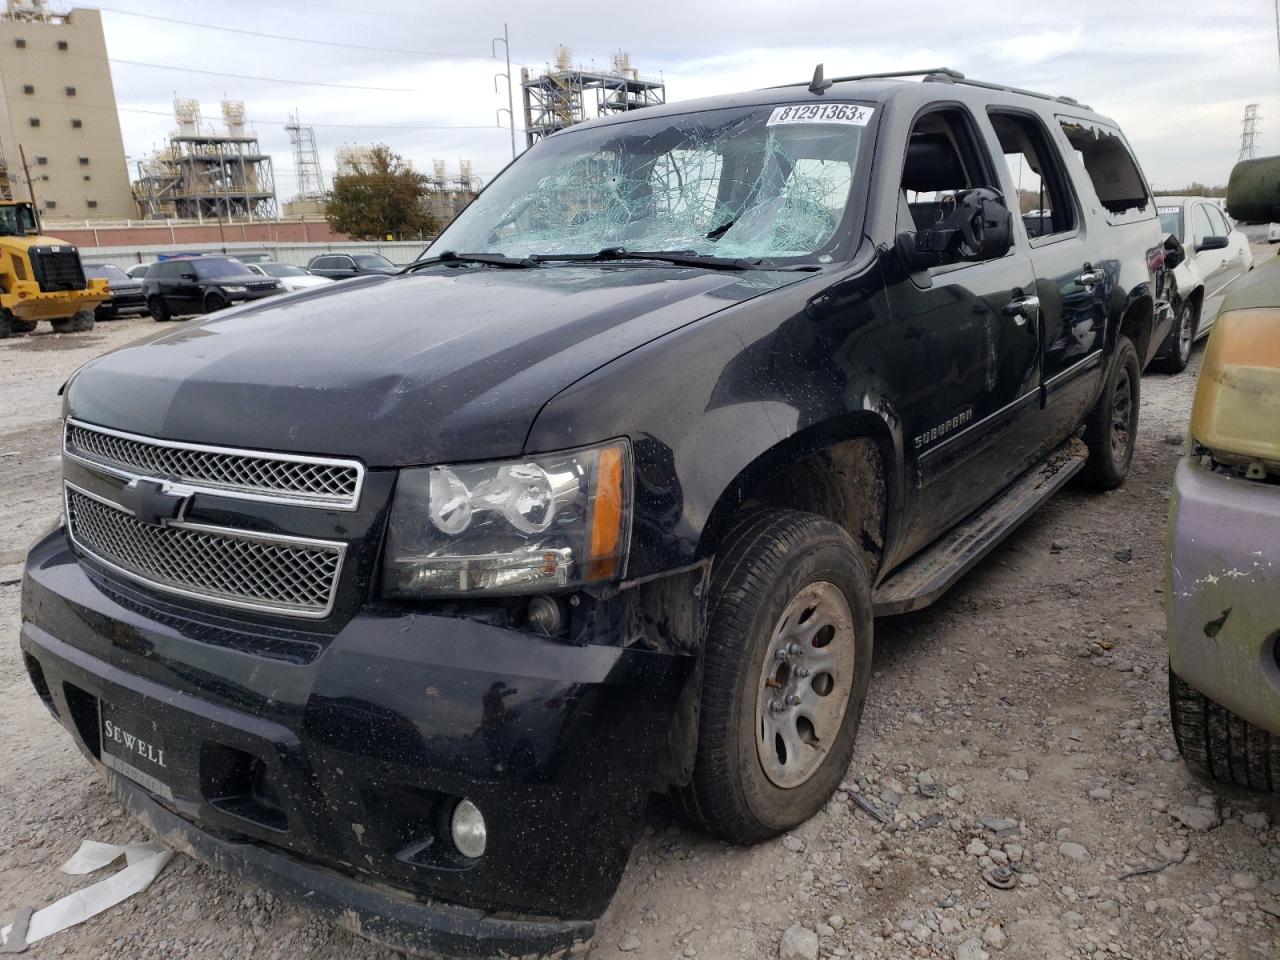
x: 757, y: 182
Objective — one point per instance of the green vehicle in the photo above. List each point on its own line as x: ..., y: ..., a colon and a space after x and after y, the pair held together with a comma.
x: 1224, y: 540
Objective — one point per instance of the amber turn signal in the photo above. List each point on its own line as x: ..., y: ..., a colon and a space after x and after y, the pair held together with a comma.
x: 1236, y: 414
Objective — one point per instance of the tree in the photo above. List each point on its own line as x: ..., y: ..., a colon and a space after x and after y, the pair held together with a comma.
x: 384, y: 196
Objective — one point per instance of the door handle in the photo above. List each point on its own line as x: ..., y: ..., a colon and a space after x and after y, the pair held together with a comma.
x: 1021, y: 309
x: 1090, y: 276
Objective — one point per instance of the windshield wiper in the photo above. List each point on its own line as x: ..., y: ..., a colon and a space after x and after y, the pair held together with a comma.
x: 681, y: 258
x: 486, y: 259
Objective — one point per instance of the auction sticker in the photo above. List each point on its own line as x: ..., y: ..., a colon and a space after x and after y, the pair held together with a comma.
x: 850, y: 114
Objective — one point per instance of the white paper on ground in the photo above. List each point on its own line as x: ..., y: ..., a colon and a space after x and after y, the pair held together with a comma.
x: 144, y: 862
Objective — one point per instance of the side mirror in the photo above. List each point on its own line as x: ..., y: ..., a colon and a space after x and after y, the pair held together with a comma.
x: 1213, y: 243
x: 1174, y: 252
x: 975, y: 225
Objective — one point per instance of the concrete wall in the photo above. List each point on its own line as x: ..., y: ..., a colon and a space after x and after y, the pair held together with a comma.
x: 298, y: 254
x: 148, y: 233
x: 81, y: 164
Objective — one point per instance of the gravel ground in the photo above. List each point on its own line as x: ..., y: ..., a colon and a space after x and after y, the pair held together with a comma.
x: 1021, y: 722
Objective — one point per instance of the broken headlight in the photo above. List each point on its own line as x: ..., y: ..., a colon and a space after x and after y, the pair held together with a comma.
x: 531, y: 525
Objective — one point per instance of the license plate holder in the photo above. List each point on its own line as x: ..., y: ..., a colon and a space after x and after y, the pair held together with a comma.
x: 133, y: 746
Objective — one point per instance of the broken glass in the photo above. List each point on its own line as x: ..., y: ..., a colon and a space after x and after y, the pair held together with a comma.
x: 723, y: 183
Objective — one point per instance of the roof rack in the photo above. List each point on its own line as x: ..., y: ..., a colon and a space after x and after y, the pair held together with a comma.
x: 948, y: 75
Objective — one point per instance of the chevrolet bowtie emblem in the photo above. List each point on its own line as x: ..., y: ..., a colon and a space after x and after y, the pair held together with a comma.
x: 152, y: 502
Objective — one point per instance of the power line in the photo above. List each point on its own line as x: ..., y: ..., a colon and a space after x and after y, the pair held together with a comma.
x: 291, y: 39
x: 259, y: 79
x: 238, y: 76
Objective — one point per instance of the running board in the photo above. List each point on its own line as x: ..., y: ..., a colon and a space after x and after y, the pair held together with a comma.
x: 932, y: 572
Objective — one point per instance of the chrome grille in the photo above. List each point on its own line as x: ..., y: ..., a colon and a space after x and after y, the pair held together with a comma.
x: 249, y: 474
x: 284, y: 575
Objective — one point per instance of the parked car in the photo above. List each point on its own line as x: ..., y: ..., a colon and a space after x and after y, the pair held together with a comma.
x: 290, y: 277
x: 1223, y: 585
x: 340, y: 266
x: 126, y: 292
x: 202, y: 285
x: 1273, y: 233
x: 248, y: 258
x: 1217, y: 255
x: 138, y: 271
x: 600, y: 498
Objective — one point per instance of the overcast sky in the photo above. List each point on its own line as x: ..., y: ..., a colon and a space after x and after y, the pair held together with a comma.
x: 1175, y: 74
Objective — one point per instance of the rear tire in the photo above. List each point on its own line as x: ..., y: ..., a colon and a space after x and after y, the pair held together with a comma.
x: 79, y: 322
x: 786, y: 668
x: 1217, y: 744
x: 1111, y: 429
x: 1181, y: 339
x: 159, y: 309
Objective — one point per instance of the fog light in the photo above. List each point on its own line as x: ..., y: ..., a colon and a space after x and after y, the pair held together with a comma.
x: 469, y: 831
x: 544, y: 615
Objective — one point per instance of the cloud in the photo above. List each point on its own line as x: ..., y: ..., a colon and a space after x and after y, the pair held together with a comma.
x: 1176, y: 79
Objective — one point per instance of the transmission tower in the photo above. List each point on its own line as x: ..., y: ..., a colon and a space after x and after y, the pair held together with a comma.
x: 306, y: 160
x: 1248, y: 132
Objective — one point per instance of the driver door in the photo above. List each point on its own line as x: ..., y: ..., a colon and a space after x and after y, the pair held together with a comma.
x: 968, y: 337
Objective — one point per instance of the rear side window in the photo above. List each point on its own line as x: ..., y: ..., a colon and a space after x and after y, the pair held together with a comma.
x: 1044, y: 201
x: 1117, y: 181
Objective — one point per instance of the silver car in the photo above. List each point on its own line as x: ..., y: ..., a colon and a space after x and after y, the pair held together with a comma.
x: 1217, y: 256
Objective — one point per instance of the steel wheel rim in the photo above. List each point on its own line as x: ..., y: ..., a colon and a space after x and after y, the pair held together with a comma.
x: 1185, y: 334
x: 1121, y: 414
x: 804, y: 684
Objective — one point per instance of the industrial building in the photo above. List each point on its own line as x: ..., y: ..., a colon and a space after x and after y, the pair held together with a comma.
x: 57, y: 102
x: 567, y: 94
x: 447, y: 194
x: 207, y: 173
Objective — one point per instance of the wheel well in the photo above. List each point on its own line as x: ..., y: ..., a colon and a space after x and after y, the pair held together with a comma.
x: 844, y: 480
x: 1136, y: 325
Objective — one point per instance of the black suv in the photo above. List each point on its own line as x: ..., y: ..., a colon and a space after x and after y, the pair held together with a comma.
x: 340, y: 266
x: 126, y: 292
x: 406, y: 619
x: 201, y: 285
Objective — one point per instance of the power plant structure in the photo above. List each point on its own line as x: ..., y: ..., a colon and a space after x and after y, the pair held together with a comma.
x: 563, y: 95
x: 206, y: 173
x: 309, y: 188
x: 448, y: 196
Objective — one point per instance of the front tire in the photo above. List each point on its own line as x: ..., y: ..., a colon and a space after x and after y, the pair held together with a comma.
x: 158, y: 307
x: 1111, y: 429
x: 1181, y: 339
x: 1217, y: 744
x: 214, y: 302
x: 786, y: 668
x: 19, y: 326
x: 79, y: 322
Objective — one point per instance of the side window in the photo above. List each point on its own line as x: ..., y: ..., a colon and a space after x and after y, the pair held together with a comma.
x: 325, y: 263
x: 1115, y: 175
x: 170, y: 270
x: 943, y: 158
x: 1201, y: 225
x: 1220, y: 226
x: 1044, y: 197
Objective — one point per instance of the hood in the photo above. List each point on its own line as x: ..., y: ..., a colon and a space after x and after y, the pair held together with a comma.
x: 446, y: 364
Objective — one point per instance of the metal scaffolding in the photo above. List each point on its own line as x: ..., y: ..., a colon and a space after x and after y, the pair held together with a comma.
x: 207, y: 174
x: 306, y: 161
x: 447, y: 196
x: 561, y: 97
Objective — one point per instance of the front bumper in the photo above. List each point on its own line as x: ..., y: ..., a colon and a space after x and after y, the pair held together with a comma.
x: 253, y: 295
x: 28, y: 302
x: 127, y: 300
x: 1224, y: 591
x: 359, y: 743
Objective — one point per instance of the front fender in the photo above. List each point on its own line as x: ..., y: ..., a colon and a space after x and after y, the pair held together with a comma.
x: 711, y: 405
